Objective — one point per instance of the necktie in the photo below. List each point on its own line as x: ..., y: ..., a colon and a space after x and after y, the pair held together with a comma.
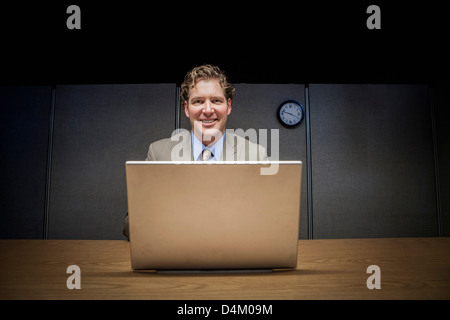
x: 206, y: 154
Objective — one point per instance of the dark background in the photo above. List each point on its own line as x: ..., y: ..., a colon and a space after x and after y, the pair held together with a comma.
x: 76, y: 104
x: 273, y: 42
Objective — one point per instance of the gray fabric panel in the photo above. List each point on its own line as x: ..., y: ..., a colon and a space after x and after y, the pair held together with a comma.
x: 24, y: 125
x: 372, y: 158
x: 255, y: 107
x: 373, y: 172
x: 441, y: 106
x: 97, y: 129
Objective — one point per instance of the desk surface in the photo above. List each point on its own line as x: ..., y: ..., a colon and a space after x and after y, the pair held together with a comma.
x: 410, y: 268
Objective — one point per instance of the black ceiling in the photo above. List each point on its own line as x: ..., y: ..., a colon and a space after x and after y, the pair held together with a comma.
x: 263, y: 43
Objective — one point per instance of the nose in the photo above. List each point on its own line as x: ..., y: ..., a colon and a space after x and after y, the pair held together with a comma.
x: 208, y: 107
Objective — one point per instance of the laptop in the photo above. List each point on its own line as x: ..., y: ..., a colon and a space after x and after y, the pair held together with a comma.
x: 213, y: 215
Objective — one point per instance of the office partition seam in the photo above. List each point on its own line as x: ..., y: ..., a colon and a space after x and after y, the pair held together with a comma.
x: 177, y: 108
x: 436, y: 163
x: 308, y: 164
x: 49, y: 163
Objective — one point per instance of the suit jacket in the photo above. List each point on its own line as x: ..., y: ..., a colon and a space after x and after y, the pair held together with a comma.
x: 179, y: 148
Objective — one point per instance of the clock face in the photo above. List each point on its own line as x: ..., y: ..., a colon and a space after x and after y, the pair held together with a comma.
x: 290, y: 113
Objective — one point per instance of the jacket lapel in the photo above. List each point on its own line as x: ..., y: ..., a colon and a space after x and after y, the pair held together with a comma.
x: 183, y: 143
x: 230, y: 148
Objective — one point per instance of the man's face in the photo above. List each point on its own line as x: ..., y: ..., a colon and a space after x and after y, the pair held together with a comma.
x: 207, y: 110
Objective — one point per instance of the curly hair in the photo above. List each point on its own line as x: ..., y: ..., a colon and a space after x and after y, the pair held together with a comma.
x: 205, y: 72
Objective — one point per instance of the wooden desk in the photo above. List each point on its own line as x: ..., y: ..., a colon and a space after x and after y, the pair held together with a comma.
x: 416, y: 268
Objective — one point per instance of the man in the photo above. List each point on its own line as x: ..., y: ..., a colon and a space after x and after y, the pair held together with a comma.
x: 207, y: 98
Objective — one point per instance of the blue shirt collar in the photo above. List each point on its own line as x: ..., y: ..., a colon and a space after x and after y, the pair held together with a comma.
x: 198, y: 146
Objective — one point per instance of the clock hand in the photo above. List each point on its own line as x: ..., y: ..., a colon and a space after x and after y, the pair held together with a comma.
x: 290, y: 114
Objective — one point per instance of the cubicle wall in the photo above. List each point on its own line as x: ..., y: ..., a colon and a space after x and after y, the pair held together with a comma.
x: 24, y: 132
x: 369, y: 154
x: 97, y: 129
x: 372, y: 159
x: 440, y: 98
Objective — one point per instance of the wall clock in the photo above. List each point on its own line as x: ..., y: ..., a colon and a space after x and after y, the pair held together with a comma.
x: 290, y: 113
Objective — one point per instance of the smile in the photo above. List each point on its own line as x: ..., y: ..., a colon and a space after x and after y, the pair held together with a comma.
x: 208, y: 121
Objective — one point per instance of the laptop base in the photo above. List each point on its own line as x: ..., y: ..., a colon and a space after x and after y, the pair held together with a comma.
x: 224, y: 271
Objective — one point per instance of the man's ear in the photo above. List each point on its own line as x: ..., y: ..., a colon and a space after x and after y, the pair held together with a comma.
x: 229, y: 107
x: 186, y: 109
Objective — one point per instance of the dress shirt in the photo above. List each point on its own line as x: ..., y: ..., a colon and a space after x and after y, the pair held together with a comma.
x: 198, y: 147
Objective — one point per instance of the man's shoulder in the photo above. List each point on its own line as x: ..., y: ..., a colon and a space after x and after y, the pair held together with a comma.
x: 161, y: 150
x: 239, y: 139
x: 234, y: 137
x: 181, y: 134
x: 243, y: 146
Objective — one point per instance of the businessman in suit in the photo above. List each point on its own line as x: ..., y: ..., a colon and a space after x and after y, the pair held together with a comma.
x: 207, y: 98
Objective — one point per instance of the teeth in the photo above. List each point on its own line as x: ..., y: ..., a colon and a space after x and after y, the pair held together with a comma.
x: 208, y: 121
